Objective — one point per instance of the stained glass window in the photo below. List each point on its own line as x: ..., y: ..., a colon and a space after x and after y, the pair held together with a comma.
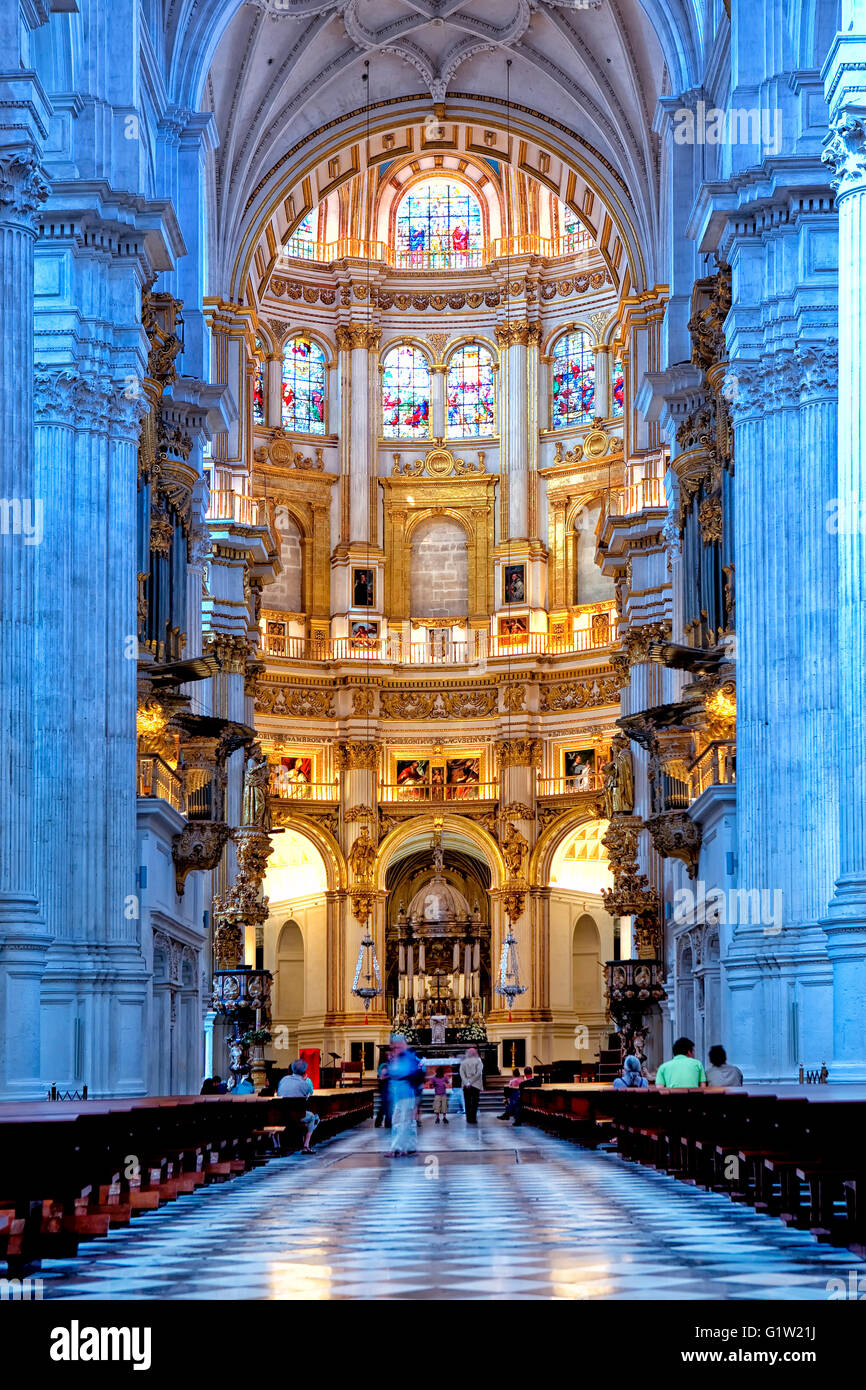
x: 617, y: 388
x: 405, y: 393
x: 259, y: 385
x: 471, y: 407
x: 303, y: 387
x: 439, y: 224
x: 573, y: 380
x: 302, y: 242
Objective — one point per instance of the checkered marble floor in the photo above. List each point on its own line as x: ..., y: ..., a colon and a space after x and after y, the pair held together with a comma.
x: 487, y: 1213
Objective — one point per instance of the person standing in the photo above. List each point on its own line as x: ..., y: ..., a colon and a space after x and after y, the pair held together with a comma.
x: 440, y: 1096
x: 402, y: 1068
x: 720, y: 1072
x: 472, y: 1078
x: 383, y: 1114
x: 683, y: 1070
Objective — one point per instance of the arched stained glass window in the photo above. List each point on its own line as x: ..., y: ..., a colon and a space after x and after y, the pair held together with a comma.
x: 259, y: 385
x: 617, y: 388
x: 439, y: 224
x: 405, y: 393
x: 303, y: 387
x: 471, y: 404
x: 573, y: 376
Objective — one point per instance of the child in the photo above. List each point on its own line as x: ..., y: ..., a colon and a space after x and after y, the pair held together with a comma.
x: 440, y: 1096
x: 512, y: 1098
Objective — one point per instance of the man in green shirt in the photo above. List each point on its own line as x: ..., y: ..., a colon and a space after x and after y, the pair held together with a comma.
x: 684, y: 1069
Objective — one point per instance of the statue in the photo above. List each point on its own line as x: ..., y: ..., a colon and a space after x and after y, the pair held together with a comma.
x: 618, y: 776
x: 514, y: 848
x: 362, y: 855
x: 438, y: 1024
x: 254, y: 811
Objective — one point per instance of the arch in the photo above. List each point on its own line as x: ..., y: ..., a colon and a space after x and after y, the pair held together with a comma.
x: 417, y: 832
x: 286, y: 593
x: 464, y: 340
x: 470, y: 394
x: 323, y: 841
x: 448, y: 229
x: 586, y: 965
x: 304, y: 386
x: 550, y: 840
x: 290, y: 961
x: 414, y: 521
x: 404, y: 394
x: 576, y: 326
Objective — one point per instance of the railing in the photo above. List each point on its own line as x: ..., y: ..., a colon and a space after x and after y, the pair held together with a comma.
x: 443, y: 258
x: 648, y: 492
x: 226, y: 505
x: 157, y: 779
x: 304, y: 791
x: 479, y: 648
x: 467, y: 791
x: 716, y: 766
x: 566, y: 786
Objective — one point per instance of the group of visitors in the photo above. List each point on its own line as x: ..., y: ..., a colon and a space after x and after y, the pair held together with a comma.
x: 684, y: 1070
x: 402, y: 1077
x: 295, y: 1083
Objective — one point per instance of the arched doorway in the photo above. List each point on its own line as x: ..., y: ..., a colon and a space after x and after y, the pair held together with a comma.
x: 586, y: 965
x: 581, y: 938
x: 288, y: 989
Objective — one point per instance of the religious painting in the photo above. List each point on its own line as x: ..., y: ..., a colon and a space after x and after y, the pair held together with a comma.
x: 275, y: 629
x: 514, y: 583
x: 437, y: 782
x: 364, y: 634
x: 578, y: 765
x: 462, y: 778
x: 291, y: 776
x: 513, y: 628
x: 363, y: 588
x: 413, y: 778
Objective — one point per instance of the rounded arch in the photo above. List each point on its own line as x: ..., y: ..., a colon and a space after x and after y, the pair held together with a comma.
x: 304, y: 174
x: 304, y: 385
x: 323, y: 841
x: 560, y: 331
x: 470, y: 340
x: 416, y: 180
x: 417, y: 832
x: 406, y: 340
x: 429, y: 514
x: 580, y: 504
x: 550, y: 840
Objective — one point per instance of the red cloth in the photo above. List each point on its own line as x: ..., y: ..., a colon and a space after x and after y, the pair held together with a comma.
x: 312, y: 1056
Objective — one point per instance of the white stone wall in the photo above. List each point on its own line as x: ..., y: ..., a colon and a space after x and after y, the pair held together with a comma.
x: 285, y: 595
x: 440, y: 570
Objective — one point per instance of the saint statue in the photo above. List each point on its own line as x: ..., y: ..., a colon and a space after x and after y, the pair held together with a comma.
x: 362, y: 855
x: 514, y: 848
x: 256, y: 779
x: 619, y: 779
x: 438, y: 1024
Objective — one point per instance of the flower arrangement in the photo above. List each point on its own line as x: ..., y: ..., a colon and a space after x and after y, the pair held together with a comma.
x: 256, y: 1036
x: 474, y: 1032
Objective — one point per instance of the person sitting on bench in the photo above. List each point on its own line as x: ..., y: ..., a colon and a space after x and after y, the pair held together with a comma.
x: 297, y: 1083
x: 684, y: 1070
x: 632, y: 1076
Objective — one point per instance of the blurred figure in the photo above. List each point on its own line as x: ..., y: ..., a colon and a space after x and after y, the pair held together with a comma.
x: 383, y: 1114
x: 440, y: 1096
x: 472, y: 1077
x: 402, y: 1070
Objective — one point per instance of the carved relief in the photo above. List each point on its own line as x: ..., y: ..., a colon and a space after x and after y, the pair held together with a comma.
x: 298, y: 702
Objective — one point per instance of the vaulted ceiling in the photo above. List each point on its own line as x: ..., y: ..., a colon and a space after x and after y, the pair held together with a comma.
x: 281, y: 76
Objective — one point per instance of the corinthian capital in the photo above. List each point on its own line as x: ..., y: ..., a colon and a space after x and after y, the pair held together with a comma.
x: 845, y: 154
x: 23, y: 189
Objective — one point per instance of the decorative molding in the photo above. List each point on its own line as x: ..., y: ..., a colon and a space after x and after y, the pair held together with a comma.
x: 580, y: 694
x: 519, y: 333
x: 676, y: 836
x: 710, y: 520
x: 351, y: 336
x: 299, y: 702
x: 198, y: 846
x: 638, y: 641
x: 438, y: 462
x: 351, y: 756
x: 281, y: 453
x: 514, y: 698
x: 23, y: 189
x: 363, y: 699
x: 439, y: 704
x: 520, y: 752
x: 845, y: 154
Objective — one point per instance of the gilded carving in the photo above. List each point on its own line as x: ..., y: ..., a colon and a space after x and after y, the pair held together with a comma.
x: 439, y: 704
x: 631, y: 894
x: 357, y: 335
x: 359, y: 812
x: 198, y: 846
x: 280, y: 452
x: 351, y: 755
x: 676, y: 836
x: 580, y: 694
x: 518, y: 810
x: 519, y: 752
x: 618, y: 779
x: 363, y: 699
x: 230, y: 651
x: 638, y: 641
x: 518, y: 333
x: 514, y: 698
x: 437, y: 463
x: 362, y: 855
x: 710, y: 520
x: 299, y: 702
x: 515, y: 848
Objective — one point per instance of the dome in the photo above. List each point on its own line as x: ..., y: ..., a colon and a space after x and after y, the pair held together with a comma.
x: 437, y: 901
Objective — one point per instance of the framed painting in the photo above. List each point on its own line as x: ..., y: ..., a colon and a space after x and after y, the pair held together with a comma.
x: 363, y: 588
x: 514, y: 583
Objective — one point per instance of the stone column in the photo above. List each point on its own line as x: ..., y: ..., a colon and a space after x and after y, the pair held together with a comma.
x: 273, y: 389
x: 602, y: 381
x: 438, y: 411
x: 22, y: 931
x: 358, y: 388
x: 845, y: 926
x: 515, y: 425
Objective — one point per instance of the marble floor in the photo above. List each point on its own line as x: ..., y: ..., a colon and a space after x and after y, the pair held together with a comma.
x: 488, y: 1213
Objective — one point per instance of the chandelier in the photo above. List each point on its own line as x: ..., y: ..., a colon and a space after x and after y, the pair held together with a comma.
x: 367, y: 970
x: 509, y: 971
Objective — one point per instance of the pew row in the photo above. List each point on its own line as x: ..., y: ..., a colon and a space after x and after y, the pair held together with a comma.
x: 788, y: 1151
x: 71, y: 1171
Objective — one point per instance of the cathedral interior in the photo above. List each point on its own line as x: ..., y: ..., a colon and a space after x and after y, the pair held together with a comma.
x: 431, y: 548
